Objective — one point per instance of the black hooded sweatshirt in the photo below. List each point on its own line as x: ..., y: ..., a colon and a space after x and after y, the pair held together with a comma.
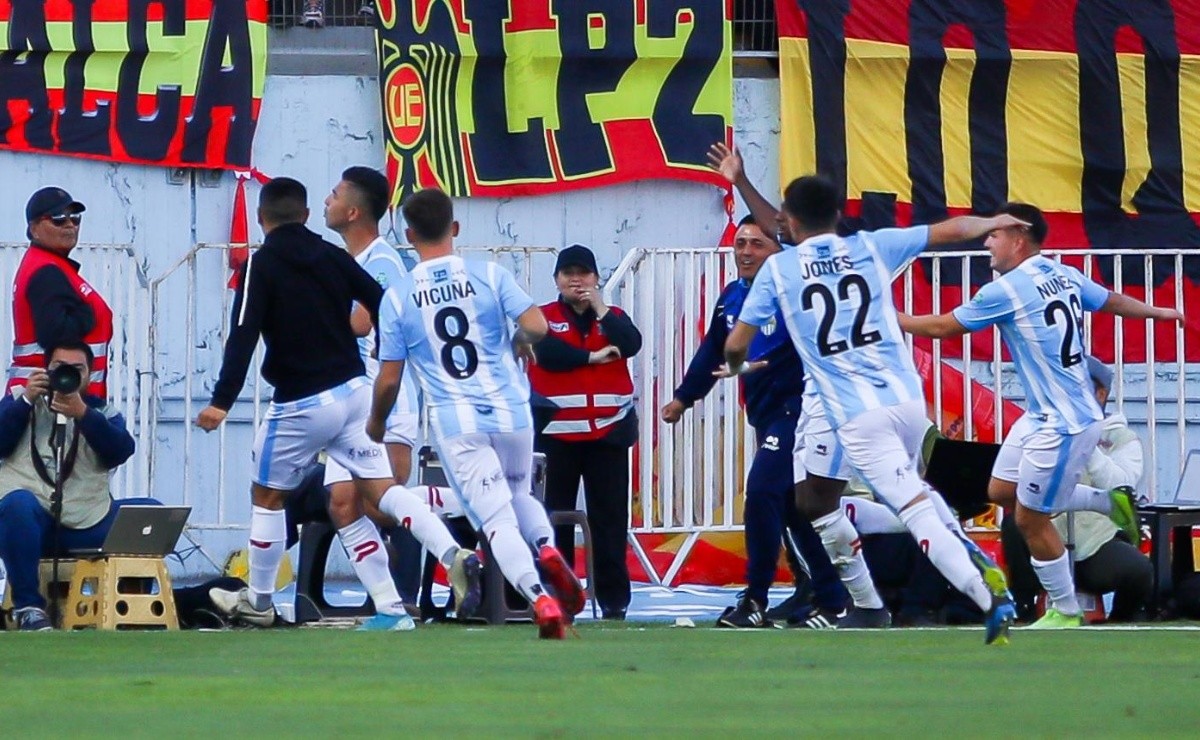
x: 297, y: 291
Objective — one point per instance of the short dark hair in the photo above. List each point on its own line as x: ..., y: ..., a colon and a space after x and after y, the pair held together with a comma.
x: 813, y: 200
x: 283, y: 201
x: 429, y: 213
x: 748, y: 221
x: 1038, y: 228
x: 372, y: 185
x: 70, y: 344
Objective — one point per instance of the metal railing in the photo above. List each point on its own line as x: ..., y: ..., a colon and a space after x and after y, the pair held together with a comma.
x: 688, y: 478
x: 114, y: 272
x: 189, y: 323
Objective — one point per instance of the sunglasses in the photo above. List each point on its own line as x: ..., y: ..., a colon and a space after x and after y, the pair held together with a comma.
x: 61, y: 219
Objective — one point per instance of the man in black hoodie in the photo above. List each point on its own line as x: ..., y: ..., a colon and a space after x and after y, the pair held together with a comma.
x: 297, y: 292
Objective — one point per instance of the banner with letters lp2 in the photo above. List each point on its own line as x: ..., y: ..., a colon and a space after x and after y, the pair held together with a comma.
x: 1088, y: 109
x: 165, y: 82
x: 520, y: 97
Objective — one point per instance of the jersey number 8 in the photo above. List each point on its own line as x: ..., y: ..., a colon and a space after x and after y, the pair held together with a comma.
x: 451, y: 326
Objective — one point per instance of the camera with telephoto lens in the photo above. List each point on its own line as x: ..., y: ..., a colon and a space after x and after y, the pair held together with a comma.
x: 65, y: 380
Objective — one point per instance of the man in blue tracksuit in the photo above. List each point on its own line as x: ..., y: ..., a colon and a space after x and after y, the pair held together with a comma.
x: 772, y: 388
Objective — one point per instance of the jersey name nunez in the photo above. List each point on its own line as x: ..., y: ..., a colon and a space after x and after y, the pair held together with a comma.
x: 443, y: 293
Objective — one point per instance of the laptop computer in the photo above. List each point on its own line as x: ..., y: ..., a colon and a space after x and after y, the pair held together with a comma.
x: 1187, y: 491
x: 960, y: 471
x: 150, y: 531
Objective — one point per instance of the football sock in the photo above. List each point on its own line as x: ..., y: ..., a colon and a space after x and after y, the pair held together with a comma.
x: 871, y: 517
x: 512, y: 553
x: 1086, y: 498
x: 268, y: 533
x: 367, y: 555
x: 1055, y: 576
x: 410, y: 511
x: 532, y: 519
x: 844, y: 547
x: 946, y: 551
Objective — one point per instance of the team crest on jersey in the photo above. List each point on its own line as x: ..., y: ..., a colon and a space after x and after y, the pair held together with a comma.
x: 441, y: 275
x: 768, y: 328
x: 559, y: 328
x: 381, y: 278
x: 730, y: 321
x: 85, y: 290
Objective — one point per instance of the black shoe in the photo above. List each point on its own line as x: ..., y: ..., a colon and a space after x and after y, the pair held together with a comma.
x: 815, y: 618
x: 793, y: 606
x: 865, y: 619
x: 616, y: 615
x: 746, y: 615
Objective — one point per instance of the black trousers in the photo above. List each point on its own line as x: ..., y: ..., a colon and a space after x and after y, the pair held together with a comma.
x: 604, y: 469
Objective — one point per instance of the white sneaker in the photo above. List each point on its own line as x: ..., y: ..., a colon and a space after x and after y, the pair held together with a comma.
x: 236, y: 605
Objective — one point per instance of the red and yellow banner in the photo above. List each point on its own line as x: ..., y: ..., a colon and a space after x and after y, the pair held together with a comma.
x: 924, y: 109
x: 165, y: 82
x: 522, y: 97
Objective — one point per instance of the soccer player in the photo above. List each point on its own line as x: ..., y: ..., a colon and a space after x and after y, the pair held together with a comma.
x: 353, y: 209
x: 835, y: 294
x: 452, y: 318
x: 297, y: 292
x: 1038, y: 305
x: 772, y: 396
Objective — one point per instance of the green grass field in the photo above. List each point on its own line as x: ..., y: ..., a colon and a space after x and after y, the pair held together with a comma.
x: 651, y: 680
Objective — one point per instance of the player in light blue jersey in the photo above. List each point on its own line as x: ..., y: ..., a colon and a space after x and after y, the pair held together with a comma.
x: 835, y: 295
x: 353, y: 209
x: 1038, y: 306
x: 452, y: 319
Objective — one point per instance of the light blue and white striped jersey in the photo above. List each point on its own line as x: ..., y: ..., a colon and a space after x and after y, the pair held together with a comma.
x: 836, y: 298
x: 1038, y: 307
x: 382, y: 262
x: 452, y: 320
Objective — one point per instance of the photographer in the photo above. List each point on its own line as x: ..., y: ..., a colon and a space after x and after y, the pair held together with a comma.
x: 93, y: 442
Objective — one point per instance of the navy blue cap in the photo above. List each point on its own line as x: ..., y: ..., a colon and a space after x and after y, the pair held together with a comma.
x: 49, y: 202
x: 576, y: 255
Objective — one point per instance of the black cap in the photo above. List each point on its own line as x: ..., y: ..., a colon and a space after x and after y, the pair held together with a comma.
x: 51, y: 201
x: 576, y: 255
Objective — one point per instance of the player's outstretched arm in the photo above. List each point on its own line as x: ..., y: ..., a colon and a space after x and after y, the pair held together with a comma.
x: 383, y: 398
x: 737, y: 346
x: 728, y: 161
x: 937, y: 326
x: 966, y: 228
x: 1132, y: 308
x: 532, y: 326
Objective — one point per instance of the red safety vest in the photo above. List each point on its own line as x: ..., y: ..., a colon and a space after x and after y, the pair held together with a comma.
x: 591, y: 398
x: 26, y: 353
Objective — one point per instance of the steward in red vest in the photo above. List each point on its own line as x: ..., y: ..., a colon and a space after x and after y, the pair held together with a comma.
x: 582, y: 368
x: 52, y: 304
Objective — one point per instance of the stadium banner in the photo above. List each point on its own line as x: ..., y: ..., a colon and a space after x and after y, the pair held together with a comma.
x: 164, y: 82
x: 924, y: 109
x: 527, y: 97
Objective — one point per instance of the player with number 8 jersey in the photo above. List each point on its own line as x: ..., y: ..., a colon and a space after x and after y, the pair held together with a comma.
x: 452, y: 319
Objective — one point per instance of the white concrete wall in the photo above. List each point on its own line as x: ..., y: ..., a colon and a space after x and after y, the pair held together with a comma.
x: 311, y: 128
